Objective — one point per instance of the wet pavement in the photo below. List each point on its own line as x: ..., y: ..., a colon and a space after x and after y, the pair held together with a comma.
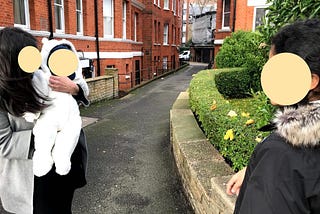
x: 131, y: 165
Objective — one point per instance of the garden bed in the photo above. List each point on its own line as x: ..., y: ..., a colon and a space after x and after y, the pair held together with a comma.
x: 231, y: 125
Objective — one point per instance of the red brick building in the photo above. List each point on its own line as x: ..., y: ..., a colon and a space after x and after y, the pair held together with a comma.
x: 233, y: 15
x: 138, y: 37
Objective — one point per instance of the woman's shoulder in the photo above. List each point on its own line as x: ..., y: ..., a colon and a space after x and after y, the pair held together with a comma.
x: 297, y: 156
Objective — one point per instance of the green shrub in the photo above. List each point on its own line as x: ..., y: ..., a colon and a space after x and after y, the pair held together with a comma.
x: 211, y: 110
x: 233, y: 83
x: 244, y: 49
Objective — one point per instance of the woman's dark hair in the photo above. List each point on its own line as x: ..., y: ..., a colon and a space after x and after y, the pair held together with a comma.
x: 17, y: 94
x: 303, y: 39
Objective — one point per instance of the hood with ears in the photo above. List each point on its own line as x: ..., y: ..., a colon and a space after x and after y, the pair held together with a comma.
x: 48, y: 45
x: 299, y: 126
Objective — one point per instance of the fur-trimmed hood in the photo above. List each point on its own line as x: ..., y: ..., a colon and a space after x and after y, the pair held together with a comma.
x: 299, y: 126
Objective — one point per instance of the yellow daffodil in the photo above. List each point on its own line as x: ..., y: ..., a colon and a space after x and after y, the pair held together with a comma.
x: 249, y: 122
x: 229, y: 135
x: 245, y: 114
x: 214, y: 105
x: 258, y: 139
x: 232, y: 113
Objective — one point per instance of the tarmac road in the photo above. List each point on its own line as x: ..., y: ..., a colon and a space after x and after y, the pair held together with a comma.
x: 131, y: 165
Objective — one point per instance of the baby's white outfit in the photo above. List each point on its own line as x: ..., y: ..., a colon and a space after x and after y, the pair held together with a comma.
x: 56, y: 131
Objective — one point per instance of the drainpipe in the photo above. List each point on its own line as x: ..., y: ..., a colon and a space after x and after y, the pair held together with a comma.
x: 50, y: 19
x: 97, y: 36
x: 234, y: 15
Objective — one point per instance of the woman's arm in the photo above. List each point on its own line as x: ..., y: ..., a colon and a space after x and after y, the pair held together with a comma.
x: 235, y: 183
x: 64, y: 84
x: 15, y: 144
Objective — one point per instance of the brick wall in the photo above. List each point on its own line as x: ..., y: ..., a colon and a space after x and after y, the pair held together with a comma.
x: 142, y: 50
x: 244, y: 20
x: 104, y: 87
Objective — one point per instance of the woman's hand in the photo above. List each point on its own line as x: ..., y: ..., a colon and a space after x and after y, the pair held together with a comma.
x: 234, y: 184
x: 63, y: 84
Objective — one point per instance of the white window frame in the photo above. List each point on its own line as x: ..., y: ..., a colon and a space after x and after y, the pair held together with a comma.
x: 106, y: 16
x: 174, y: 6
x: 166, y: 4
x: 135, y: 26
x: 173, y: 35
x: 165, y: 34
x: 255, y: 15
x: 158, y: 3
x: 124, y: 20
x: 79, y: 12
x: 155, y: 2
x: 165, y: 63
x: 62, y: 20
x: 223, y: 14
x: 26, y: 16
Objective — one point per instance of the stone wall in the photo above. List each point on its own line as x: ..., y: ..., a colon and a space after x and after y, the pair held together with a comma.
x: 103, y: 87
x: 203, y: 171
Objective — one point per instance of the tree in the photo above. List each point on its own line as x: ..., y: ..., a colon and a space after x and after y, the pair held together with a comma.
x: 282, y: 12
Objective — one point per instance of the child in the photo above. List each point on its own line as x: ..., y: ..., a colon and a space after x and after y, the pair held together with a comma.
x: 57, y: 130
x: 283, y: 174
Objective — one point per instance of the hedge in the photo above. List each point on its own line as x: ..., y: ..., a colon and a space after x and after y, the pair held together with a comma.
x: 230, y: 125
x: 234, y: 83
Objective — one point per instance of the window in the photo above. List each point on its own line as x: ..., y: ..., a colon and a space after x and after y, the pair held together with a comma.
x: 173, y: 34
x: 158, y: 34
x: 226, y: 14
x: 108, y: 18
x: 79, y: 16
x: 259, y: 15
x: 174, y: 6
x: 155, y: 32
x: 21, y: 13
x: 59, y: 15
x: 124, y: 20
x: 135, y: 26
x: 165, y: 63
x: 165, y: 34
x: 166, y: 4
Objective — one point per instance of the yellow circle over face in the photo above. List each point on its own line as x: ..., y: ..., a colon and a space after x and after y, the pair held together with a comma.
x: 63, y: 62
x: 286, y: 79
x: 29, y: 59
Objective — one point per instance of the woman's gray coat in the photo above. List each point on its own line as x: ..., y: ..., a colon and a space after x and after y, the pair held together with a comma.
x: 16, y: 175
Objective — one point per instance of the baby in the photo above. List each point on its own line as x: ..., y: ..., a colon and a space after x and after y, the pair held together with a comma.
x: 57, y: 129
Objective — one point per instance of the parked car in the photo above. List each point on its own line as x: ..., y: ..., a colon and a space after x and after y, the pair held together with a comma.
x: 185, y: 55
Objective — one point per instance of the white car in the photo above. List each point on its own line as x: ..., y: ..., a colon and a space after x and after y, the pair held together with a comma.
x: 185, y: 55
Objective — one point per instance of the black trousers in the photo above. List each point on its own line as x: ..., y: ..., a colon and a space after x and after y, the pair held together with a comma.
x: 53, y: 193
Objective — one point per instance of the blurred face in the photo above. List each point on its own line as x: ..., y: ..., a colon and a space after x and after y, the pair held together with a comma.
x: 315, y: 79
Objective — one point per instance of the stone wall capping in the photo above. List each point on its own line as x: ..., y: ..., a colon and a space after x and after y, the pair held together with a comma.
x: 202, y: 169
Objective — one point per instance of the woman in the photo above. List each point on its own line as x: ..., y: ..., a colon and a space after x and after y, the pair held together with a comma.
x: 20, y: 191
x: 283, y: 174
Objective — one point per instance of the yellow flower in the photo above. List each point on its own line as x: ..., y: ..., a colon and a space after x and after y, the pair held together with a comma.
x: 229, y: 135
x: 245, y: 114
x: 262, y: 45
x: 214, y: 105
x: 249, y: 122
x: 258, y: 139
x: 232, y: 113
